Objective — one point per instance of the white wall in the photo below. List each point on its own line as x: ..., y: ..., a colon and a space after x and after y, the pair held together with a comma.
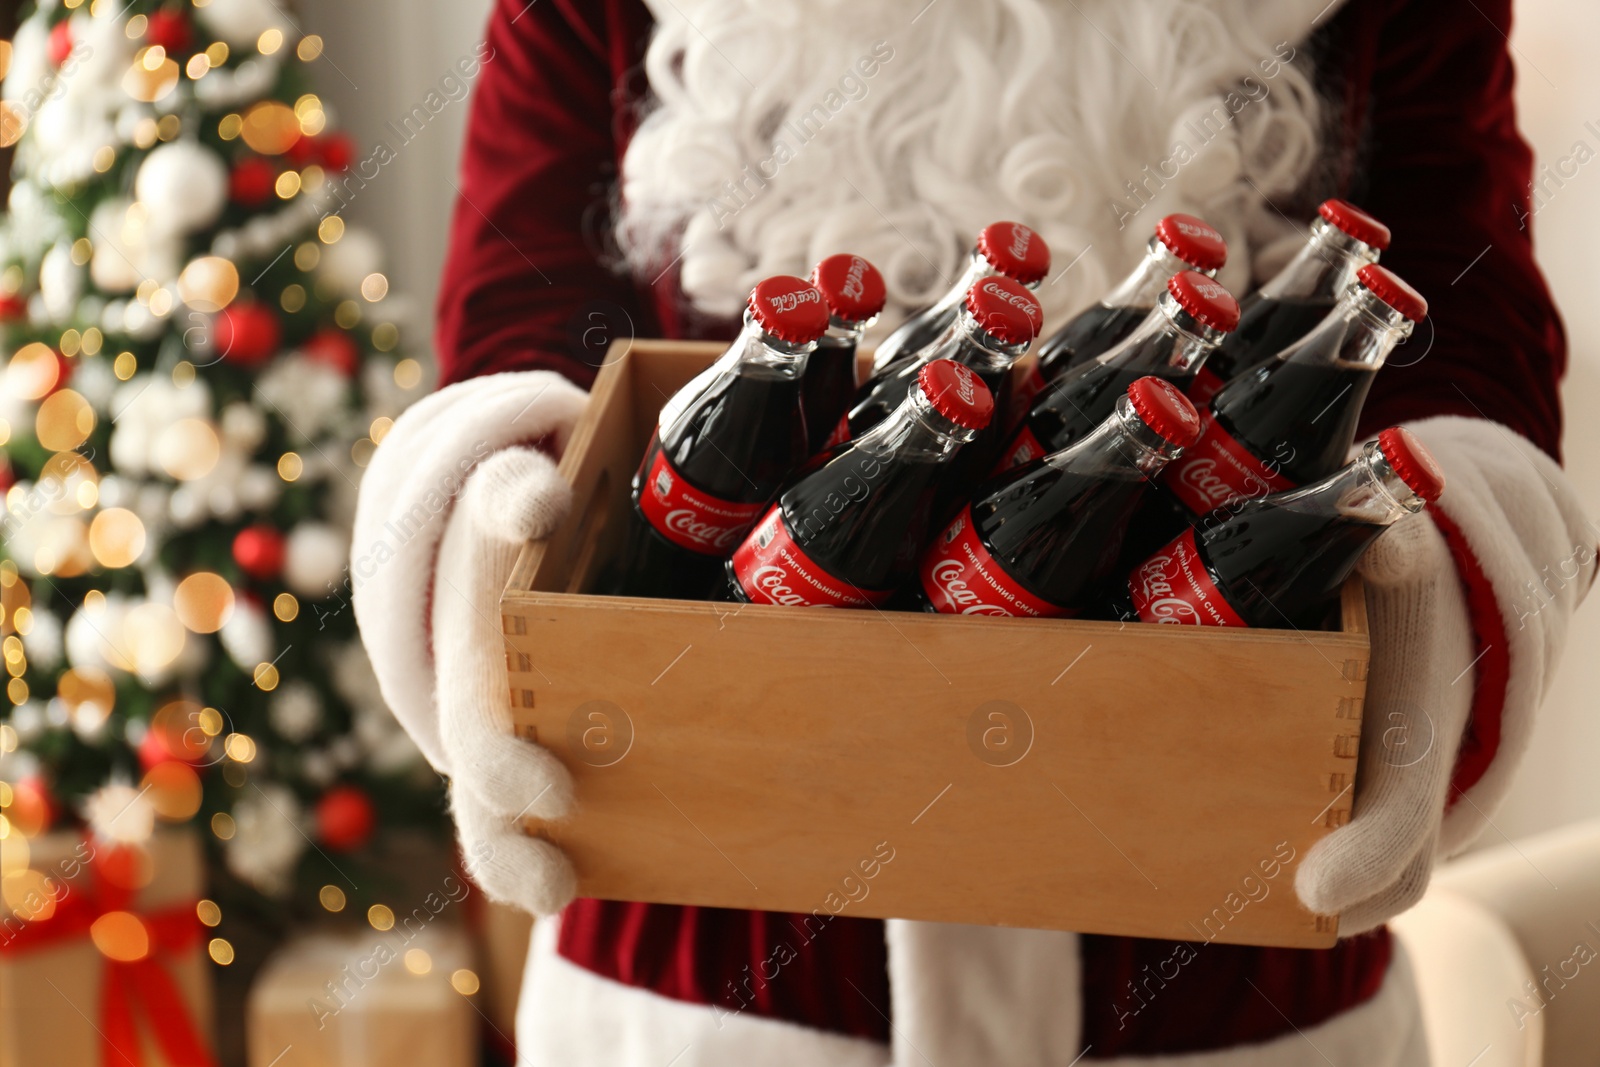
x: 379, y: 60
x: 1558, y: 91
x: 392, y: 54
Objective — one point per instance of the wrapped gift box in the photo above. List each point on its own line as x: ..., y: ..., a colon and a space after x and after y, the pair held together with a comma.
x: 1156, y: 781
x: 102, y: 957
x: 369, y: 999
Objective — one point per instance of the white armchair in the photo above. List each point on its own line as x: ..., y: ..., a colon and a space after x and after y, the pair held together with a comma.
x: 1507, y: 961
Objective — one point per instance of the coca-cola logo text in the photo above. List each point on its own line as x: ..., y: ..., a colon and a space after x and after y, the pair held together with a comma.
x: 1192, y: 230
x: 782, y: 302
x: 855, y: 278
x: 1021, y: 238
x: 688, y: 523
x: 950, y: 576
x: 773, y: 581
x: 1155, y: 587
x: 1011, y: 297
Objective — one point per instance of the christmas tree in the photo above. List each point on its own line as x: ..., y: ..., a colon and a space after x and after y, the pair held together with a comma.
x: 200, y: 357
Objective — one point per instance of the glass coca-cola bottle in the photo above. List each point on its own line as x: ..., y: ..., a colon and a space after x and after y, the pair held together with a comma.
x: 1279, y: 561
x: 846, y: 533
x: 1292, y: 420
x: 1038, y: 540
x: 1181, y: 242
x: 1008, y: 249
x: 854, y: 292
x: 991, y: 330
x: 1342, y: 241
x: 1192, y: 316
x: 722, y: 447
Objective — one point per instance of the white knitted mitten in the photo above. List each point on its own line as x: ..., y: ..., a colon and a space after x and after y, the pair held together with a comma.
x: 447, y: 502
x: 513, y: 497
x: 1519, y: 517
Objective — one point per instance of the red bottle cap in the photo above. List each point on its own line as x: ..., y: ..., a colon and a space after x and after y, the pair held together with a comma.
x: 1015, y: 251
x: 1005, y: 310
x: 1207, y: 299
x: 1343, y: 215
x: 1168, y: 412
x: 1393, y: 290
x: 852, y: 287
x: 790, y: 309
x: 1412, y: 461
x: 1194, y: 241
x: 957, y: 393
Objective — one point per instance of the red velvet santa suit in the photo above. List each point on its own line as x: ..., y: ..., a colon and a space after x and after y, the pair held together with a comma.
x: 1422, y: 134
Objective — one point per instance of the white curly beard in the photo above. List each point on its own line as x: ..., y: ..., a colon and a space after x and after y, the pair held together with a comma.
x: 782, y: 131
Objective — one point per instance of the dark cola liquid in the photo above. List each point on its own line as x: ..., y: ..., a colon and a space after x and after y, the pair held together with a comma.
x: 1300, y: 416
x: 827, y: 388
x: 745, y: 434
x: 1266, y: 327
x: 1070, y: 409
x: 1090, y: 334
x: 912, y: 336
x: 1278, y: 567
x: 1057, y: 533
x: 864, y: 519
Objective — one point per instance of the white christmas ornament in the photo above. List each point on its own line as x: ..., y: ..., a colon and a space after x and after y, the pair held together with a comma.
x: 184, y: 184
x: 314, y: 558
x: 241, y: 22
x: 295, y: 710
x: 243, y: 426
x: 94, y: 634
x: 60, y: 283
x: 44, y: 642
x: 259, y: 487
x: 247, y: 636
x: 354, y: 256
x: 120, y: 814
x: 118, y: 250
x: 268, y: 838
x: 313, y: 394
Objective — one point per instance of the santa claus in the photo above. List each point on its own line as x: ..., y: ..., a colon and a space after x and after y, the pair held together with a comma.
x: 633, y: 167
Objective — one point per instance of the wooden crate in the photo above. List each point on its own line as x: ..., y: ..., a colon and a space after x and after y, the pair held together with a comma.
x: 1100, y: 777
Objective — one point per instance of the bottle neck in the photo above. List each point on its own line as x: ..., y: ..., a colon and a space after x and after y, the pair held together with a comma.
x: 843, y: 333
x: 757, y: 350
x: 1367, y: 491
x: 1148, y: 281
x: 1359, y: 333
x: 1323, y: 269
x: 915, y: 430
x: 1168, y: 337
x: 971, y: 345
x: 1120, y: 447
x: 978, y: 268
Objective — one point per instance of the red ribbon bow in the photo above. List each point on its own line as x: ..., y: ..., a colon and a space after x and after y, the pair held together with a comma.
x: 127, y: 986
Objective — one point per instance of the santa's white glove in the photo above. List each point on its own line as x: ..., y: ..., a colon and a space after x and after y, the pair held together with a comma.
x: 499, y: 779
x: 1520, y: 523
x: 449, y: 499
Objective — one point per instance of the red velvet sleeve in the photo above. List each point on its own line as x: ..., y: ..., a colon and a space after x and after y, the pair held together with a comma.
x: 1450, y: 174
x: 524, y: 286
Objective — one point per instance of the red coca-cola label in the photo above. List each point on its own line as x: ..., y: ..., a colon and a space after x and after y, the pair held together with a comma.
x: 1173, y: 587
x: 960, y: 577
x: 772, y: 569
x: 1217, y: 469
x: 690, y: 518
x: 1204, y: 387
x: 1024, y: 448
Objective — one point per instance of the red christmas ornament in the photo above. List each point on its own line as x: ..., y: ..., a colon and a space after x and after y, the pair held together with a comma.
x: 335, y: 349
x: 60, y: 45
x: 302, y: 152
x: 12, y: 307
x: 33, y: 807
x: 252, y: 181
x: 170, y: 30
x: 337, y: 151
x: 345, y: 818
x: 246, y: 333
x: 258, y: 550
